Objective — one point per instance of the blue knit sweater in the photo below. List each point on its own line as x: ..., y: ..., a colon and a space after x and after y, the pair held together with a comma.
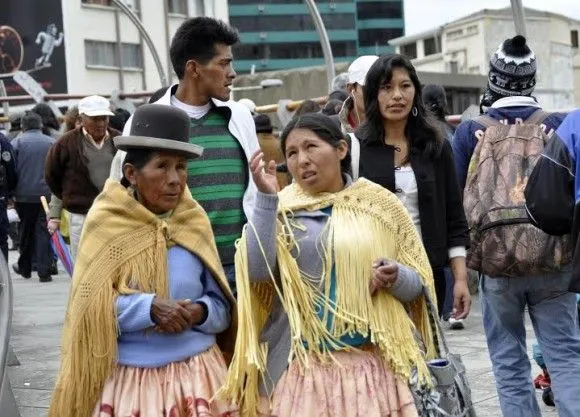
x: 140, y: 346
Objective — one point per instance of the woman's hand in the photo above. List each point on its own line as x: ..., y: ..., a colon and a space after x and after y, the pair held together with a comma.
x: 171, y: 316
x: 264, y: 175
x: 385, y: 274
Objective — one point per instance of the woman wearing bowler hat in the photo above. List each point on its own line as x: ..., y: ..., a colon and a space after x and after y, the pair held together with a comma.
x: 149, y: 303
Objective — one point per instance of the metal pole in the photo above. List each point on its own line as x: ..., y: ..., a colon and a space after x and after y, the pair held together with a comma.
x: 324, y: 42
x: 519, y: 17
x: 135, y: 20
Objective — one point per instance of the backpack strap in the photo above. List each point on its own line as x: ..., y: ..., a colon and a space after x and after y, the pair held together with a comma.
x: 354, y: 155
x: 537, y: 117
x: 487, y: 121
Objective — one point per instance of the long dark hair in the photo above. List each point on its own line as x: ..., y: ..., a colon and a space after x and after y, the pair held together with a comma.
x: 421, y: 130
x: 324, y: 127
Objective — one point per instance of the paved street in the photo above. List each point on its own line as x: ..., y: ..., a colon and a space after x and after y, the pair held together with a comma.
x: 37, y: 322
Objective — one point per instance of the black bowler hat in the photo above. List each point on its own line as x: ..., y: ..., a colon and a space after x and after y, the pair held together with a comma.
x: 159, y: 127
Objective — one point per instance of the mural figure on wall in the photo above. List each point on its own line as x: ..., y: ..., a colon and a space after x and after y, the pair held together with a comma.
x: 49, y: 41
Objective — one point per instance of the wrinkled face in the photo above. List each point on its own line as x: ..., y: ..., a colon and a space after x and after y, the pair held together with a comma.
x: 314, y: 163
x: 396, y: 96
x: 160, y: 183
x: 217, y: 75
x: 96, y: 126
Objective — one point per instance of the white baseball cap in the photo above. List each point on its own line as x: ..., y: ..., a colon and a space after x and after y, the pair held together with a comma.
x: 357, y: 71
x: 93, y: 106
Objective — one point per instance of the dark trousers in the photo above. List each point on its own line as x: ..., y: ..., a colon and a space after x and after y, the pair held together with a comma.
x: 4, y: 227
x: 34, y: 239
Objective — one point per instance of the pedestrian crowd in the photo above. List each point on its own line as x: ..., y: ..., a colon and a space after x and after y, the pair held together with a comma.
x: 222, y: 268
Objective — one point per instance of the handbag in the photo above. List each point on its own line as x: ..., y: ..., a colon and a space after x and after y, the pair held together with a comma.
x: 451, y: 396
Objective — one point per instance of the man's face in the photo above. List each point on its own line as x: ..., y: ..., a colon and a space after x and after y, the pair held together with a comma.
x: 95, y: 126
x: 217, y: 75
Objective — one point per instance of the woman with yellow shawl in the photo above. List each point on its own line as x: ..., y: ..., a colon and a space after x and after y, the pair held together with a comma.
x: 149, y: 298
x: 331, y: 277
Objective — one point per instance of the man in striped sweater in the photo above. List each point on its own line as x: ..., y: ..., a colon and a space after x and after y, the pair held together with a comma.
x: 202, y: 59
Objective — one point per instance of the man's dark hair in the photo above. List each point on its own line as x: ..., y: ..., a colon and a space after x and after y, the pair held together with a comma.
x: 196, y: 39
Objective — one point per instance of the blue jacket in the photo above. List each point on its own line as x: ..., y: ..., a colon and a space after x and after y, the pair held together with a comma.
x: 30, y: 150
x: 553, y: 190
x: 507, y: 110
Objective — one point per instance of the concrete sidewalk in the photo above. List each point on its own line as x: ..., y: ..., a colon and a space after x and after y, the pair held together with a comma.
x: 37, y: 323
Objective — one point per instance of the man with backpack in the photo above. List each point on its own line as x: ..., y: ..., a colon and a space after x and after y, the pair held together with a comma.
x: 521, y: 265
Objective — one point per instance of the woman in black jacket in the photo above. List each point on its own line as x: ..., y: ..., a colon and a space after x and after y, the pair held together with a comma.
x: 402, y: 149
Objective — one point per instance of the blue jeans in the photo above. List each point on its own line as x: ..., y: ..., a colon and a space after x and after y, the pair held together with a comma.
x: 230, y: 270
x: 552, y: 310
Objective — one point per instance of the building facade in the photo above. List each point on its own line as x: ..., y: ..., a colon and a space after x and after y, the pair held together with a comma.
x: 105, y: 51
x: 280, y: 34
x: 464, y: 46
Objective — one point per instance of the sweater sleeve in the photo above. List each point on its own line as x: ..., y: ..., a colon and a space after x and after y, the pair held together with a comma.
x: 261, y: 238
x: 457, y: 229
x: 54, y: 168
x: 218, y: 308
x: 55, y: 207
x: 462, y: 152
x: 134, y: 312
x: 408, y: 285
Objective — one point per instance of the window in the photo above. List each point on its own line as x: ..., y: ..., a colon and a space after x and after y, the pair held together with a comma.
x: 574, y: 38
x: 430, y: 46
x: 455, y: 33
x: 379, y: 10
x: 291, y: 23
x: 130, y: 3
x: 409, y: 50
x: 291, y: 50
x: 105, y: 54
x: 99, y: 2
x: 453, y: 67
x: 177, y: 6
x: 131, y: 55
x: 372, y: 37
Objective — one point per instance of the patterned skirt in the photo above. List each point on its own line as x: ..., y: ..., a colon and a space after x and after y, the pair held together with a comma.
x: 359, y: 385
x: 180, y: 389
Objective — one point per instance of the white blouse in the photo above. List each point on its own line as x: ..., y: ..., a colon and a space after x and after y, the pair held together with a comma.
x: 406, y: 190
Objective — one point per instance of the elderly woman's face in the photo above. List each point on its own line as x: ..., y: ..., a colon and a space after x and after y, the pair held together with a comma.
x: 160, y: 182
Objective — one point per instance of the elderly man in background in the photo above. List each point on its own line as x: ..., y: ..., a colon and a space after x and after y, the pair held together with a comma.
x: 78, y: 165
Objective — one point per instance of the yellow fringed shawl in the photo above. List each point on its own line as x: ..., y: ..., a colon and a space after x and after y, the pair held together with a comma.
x: 123, y: 250
x: 367, y: 222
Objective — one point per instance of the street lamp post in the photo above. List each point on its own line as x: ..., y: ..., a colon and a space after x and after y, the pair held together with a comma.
x: 324, y: 42
x: 519, y: 17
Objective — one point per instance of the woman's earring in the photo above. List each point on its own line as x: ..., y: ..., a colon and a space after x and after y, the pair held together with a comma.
x: 414, y: 111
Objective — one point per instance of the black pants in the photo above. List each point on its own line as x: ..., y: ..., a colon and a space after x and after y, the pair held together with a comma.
x: 440, y: 287
x: 34, y: 239
x: 4, y: 227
